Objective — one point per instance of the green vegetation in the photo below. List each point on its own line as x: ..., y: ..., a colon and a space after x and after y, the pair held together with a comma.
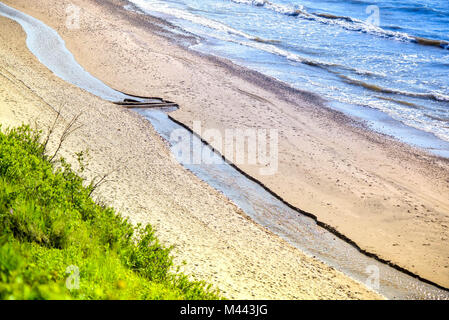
x: 49, y: 226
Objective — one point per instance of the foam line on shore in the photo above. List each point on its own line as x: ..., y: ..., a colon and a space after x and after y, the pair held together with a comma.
x: 314, y: 217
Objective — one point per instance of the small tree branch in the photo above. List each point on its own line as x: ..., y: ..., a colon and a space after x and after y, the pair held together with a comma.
x: 94, y: 185
x: 51, y: 130
x: 68, y: 130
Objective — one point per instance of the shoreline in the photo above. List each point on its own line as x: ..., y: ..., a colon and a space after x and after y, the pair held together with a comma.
x: 397, y: 286
x: 315, y: 218
x: 283, y: 91
x: 218, y: 242
x: 370, y: 119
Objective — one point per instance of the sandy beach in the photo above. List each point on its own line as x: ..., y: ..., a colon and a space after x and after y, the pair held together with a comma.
x: 216, y: 240
x: 388, y: 198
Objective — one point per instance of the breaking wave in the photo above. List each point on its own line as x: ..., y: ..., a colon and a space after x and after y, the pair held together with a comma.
x: 347, y: 23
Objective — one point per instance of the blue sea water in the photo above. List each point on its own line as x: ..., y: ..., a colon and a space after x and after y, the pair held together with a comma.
x: 385, y: 55
x: 301, y: 231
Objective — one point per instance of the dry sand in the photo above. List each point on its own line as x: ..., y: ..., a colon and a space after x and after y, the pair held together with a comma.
x: 218, y: 242
x: 390, y: 199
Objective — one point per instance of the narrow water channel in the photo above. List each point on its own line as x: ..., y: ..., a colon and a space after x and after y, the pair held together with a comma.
x: 265, y: 209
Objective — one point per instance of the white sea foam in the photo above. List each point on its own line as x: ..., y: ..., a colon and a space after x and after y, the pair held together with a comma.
x: 166, y: 9
x: 407, y: 115
x: 347, y: 23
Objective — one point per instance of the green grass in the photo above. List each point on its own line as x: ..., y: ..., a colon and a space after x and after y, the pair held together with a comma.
x: 49, y: 222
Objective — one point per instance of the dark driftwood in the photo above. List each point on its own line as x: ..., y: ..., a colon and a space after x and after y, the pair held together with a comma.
x: 149, y: 105
x: 148, y: 102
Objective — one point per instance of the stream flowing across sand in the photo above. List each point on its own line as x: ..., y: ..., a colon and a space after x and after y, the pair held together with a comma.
x: 263, y: 207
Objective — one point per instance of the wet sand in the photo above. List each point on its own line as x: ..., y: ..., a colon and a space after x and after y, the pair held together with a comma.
x: 219, y: 243
x: 388, y: 198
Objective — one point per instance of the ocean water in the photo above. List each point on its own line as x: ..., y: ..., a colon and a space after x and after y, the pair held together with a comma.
x: 388, y: 56
x: 298, y: 229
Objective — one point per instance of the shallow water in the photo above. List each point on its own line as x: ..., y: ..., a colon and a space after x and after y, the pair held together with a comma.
x: 255, y: 201
x: 50, y: 49
x: 297, y: 229
x: 337, y: 50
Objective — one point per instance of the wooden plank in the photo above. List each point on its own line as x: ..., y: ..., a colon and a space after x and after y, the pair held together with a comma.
x: 152, y: 105
x: 126, y: 103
